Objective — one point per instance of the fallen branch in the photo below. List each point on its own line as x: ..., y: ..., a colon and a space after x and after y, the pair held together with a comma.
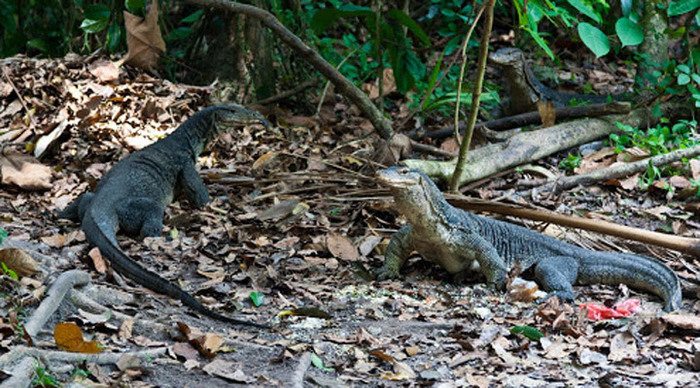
x: 297, y: 380
x: 19, y: 352
x: 64, y: 283
x: 526, y: 147
x: 22, y: 374
x: 531, y: 118
x: 281, y: 96
x: 342, y: 84
x: 686, y: 245
x: 619, y: 170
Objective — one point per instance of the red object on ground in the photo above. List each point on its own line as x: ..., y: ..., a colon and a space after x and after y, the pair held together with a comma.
x: 598, y: 312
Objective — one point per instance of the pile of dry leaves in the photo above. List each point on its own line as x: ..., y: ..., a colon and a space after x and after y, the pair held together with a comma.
x: 295, y: 229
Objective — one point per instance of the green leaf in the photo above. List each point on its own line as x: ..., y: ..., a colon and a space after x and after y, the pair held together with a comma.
x: 114, y: 37
x: 96, y: 18
x: 679, y: 7
x: 136, y: 7
x: 695, y: 78
x: 411, y: 24
x: 683, y: 68
x: 324, y: 18
x: 683, y: 79
x: 594, y: 39
x: 318, y: 363
x: 630, y: 33
x: 193, y: 17
x: 541, y: 42
x: 529, y: 332
x: 92, y: 26
x: 7, y: 271
x: 257, y: 298
x: 586, y: 9
x: 38, y: 44
x: 178, y: 33
x: 3, y: 235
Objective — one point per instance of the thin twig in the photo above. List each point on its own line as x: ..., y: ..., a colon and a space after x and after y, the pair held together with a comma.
x: 281, y: 96
x: 328, y: 83
x: 462, y: 69
x: 19, y: 96
x: 341, y: 168
x: 476, y: 95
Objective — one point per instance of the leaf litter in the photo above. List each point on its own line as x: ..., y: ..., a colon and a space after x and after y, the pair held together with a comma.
x: 294, y: 231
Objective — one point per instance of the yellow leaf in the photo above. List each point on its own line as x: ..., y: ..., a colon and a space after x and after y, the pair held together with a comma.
x: 68, y: 336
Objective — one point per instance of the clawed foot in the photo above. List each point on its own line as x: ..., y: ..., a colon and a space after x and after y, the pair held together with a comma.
x: 566, y: 296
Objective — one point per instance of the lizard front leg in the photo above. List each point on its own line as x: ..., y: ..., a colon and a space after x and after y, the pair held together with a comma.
x: 397, y: 252
x: 193, y: 186
x: 491, y: 264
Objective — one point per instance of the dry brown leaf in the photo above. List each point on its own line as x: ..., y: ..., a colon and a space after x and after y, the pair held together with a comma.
x: 143, y: 39
x: 264, y: 160
x: 69, y: 337
x: 185, y: 351
x: 209, y: 344
x: 695, y: 168
x: 228, y: 370
x: 104, y: 70
x: 683, y: 321
x: 46, y: 141
x: 341, y: 247
x: 24, y: 171
x: 97, y: 260
x: 412, y: 350
x: 622, y: 346
x: 19, y: 261
x: 60, y: 240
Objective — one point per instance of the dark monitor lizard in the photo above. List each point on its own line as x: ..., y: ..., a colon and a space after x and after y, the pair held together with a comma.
x: 132, y: 196
x: 455, y: 239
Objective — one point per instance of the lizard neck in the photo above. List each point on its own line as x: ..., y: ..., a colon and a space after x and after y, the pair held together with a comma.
x: 424, y: 207
x: 194, y: 134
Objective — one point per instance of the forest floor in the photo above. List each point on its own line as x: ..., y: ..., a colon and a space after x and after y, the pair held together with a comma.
x: 297, y: 218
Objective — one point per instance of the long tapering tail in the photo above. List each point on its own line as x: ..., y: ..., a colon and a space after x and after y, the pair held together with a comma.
x: 126, y: 266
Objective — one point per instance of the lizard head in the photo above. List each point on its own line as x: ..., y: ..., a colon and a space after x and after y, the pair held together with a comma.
x: 232, y: 116
x: 412, y: 188
x: 507, y: 56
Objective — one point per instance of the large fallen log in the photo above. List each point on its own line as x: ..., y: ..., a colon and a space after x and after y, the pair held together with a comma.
x: 526, y: 147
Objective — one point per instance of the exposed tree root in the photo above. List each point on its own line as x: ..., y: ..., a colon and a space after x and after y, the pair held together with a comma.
x: 20, y: 352
x: 64, y: 283
x: 526, y: 147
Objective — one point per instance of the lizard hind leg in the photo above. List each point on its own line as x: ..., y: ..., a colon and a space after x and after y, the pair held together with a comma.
x: 142, y: 216
x: 557, y: 274
x: 76, y: 209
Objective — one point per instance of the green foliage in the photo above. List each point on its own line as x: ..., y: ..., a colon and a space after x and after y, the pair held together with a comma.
x: 656, y: 140
x: 3, y: 235
x: 681, y: 80
x: 679, y: 7
x: 318, y: 363
x: 630, y: 33
x: 571, y: 162
x: 529, y: 332
x: 389, y: 39
x: 594, y: 39
x: 257, y: 298
x: 44, y: 379
x: 7, y: 271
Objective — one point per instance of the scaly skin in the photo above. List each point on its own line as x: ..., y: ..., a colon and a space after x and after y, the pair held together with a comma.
x: 456, y: 239
x: 132, y: 196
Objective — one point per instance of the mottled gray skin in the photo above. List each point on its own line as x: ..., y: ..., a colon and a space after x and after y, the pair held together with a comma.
x: 455, y: 239
x: 524, y: 90
x: 132, y: 196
